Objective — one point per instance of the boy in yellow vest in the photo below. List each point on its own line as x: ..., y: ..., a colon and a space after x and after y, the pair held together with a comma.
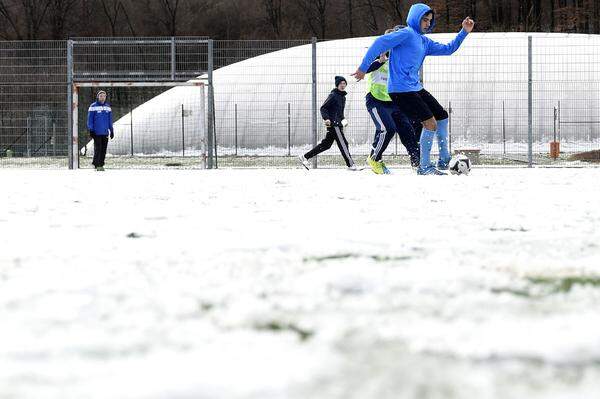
x: 388, y: 119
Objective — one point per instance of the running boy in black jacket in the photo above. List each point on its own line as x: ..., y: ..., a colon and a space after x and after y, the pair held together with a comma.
x: 332, y: 112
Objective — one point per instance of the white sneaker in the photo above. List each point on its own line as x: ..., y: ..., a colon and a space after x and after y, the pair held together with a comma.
x: 304, y: 162
x: 353, y: 168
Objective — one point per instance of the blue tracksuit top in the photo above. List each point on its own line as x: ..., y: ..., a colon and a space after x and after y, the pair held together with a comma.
x: 100, y: 118
x: 409, y: 47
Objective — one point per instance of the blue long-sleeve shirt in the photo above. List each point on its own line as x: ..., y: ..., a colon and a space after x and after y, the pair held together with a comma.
x: 408, y: 48
x: 100, y: 120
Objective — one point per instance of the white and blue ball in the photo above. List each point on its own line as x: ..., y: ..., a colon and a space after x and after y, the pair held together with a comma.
x: 460, y: 165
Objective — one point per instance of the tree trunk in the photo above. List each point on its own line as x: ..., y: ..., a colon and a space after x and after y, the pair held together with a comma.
x: 350, y: 24
x: 273, y: 10
x: 373, y: 17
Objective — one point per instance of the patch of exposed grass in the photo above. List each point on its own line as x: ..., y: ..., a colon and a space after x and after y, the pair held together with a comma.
x: 206, y: 306
x: 341, y: 256
x: 276, y: 326
x: 565, y: 284
x: 513, y: 291
x: 541, y: 286
x: 511, y: 229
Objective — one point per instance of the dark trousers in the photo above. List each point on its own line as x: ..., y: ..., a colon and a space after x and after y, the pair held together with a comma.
x: 334, y: 133
x: 100, y: 145
x: 389, y: 120
x: 410, y: 138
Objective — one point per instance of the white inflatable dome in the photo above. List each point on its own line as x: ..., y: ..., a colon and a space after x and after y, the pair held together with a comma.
x: 484, y: 80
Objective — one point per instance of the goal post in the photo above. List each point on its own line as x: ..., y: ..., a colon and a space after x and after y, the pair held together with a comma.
x: 168, y: 120
x: 135, y: 70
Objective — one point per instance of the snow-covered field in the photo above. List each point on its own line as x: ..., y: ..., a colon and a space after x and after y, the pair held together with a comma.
x: 291, y: 284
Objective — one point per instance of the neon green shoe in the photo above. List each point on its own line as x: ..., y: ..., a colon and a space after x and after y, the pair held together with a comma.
x: 376, y: 167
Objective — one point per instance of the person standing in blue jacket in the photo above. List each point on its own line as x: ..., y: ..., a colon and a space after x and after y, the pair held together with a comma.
x: 408, y: 48
x: 100, y: 126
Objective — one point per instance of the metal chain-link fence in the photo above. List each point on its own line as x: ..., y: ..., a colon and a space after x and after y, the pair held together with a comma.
x: 513, y: 98
x: 33, y: 104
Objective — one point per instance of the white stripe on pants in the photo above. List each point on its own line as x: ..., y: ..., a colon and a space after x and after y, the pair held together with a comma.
x: 343, y: 145
x: 381, y: 135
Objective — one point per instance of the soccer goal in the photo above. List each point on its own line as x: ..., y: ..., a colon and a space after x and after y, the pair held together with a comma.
x: 156, y: 124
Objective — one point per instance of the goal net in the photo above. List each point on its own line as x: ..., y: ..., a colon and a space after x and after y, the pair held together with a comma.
x: 156, y: 124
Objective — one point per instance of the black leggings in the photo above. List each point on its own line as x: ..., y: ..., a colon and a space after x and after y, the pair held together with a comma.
x: 336, y: 134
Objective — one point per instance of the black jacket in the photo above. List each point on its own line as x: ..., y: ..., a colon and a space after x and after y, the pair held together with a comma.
x: 333, y: 107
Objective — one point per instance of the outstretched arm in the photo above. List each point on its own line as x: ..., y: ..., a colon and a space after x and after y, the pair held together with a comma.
x: 378, y: 63
x: 435, y: 48
x: 379, y: 46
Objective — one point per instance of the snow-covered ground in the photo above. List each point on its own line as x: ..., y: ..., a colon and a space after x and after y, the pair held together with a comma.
x: 292, y: 284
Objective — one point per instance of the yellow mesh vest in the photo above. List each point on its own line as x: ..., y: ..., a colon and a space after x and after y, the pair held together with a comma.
x: 377, y: 83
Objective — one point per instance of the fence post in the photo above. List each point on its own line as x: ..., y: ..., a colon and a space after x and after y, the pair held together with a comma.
x: 530, y: 102
x: 45, y: 136
x: 70, y: 103
x: 211, y: 108
x: 503, y: 130
x: 236, y: 130
x: 289, y: 123
x: 314, y: 98
x: 173, y: 59
x: 131, y: 127
x: 216, y: 143
x: 182, y: 131
x: 27, y: 138
x: 559, y: 120
x: 75, y: 127
x: 53, y: 140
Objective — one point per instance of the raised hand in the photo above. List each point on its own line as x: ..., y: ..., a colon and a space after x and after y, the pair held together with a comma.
x: 468, y: 24
x: 359, y: 75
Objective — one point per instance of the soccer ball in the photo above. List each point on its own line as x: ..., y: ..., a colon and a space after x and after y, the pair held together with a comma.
x: 460, y: 165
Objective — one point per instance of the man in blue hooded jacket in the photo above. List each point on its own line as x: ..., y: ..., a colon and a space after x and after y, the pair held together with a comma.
x: 100, y: 126
x: 408, y: 48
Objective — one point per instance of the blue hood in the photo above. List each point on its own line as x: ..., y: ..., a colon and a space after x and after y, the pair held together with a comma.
x: 416, y: 14
x: 409, y: 47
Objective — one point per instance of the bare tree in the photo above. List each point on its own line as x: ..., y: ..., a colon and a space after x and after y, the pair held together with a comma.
x: 111, y: 10
x: 168, y: 11
x: 372, y: 15
x: 397, y: 9
x: 35, y: 13
x: 59, y: 14
x: 28, y: 15
x: 315, y: 15
x: 9, y: 15
x: 273, y: 10
x: 471, y: 8
x: 350, y: 8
